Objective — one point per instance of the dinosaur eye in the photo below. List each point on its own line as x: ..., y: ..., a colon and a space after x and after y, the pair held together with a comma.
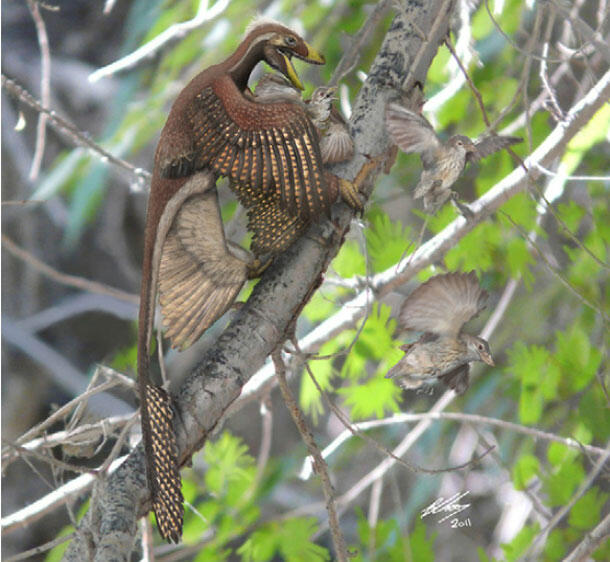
x: 290, y: 41
x: 460, y: 143
x: 481, y: 347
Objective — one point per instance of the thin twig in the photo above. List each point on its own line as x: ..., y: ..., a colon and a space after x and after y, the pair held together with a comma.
x: 352, y: 55
x: 45, y: 86
x: 34, y: 511
x: 173, y: 33
x: 68, y: 129
x: 591, y: 541
x: 320, y: 465
x: 40, y: 549
x: 382, y: 448
x: 455, y: 416
x: 64, y: 278
x: 555, y: 271
x: 564, y: 509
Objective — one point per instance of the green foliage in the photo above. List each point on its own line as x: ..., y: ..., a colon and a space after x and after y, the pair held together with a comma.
x: 309, y: 396
x: 562, y: 483
x: 387, y: 240
x: 377, y: 396
x: 289, y: 539
x: 391, y: 544
x: 349, y: 261
x: 231, y: 470
x: 586, y: 512
x: 514, y: 549
x: 526, y: 467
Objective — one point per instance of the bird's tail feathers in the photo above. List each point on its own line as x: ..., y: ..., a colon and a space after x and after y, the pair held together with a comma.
x: 163, y: 464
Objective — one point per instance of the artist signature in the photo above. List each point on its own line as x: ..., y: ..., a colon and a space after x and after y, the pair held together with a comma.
x: 449, y: 506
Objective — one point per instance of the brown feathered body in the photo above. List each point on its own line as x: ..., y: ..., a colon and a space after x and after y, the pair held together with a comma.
x: 442, y: 162
x: 273, y: 227
x: 439, y: 308
x: 215, y: 128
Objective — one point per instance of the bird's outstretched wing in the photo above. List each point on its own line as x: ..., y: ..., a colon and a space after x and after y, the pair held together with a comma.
x: 199, y: 276
x: 488, y: 145
x: 409, y: 130
x: 268, y: 147
x: 443, y: 304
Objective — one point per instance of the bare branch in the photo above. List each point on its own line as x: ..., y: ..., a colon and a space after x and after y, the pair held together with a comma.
x: 45, y: 86
x: 64, y: 278
x: 68, y: 129
x: 320, y: 466
x: 173, y: 33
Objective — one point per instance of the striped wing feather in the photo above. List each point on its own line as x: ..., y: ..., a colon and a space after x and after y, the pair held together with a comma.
x: 271, y: 147
x: 443, y: 304
x: 199, y: 277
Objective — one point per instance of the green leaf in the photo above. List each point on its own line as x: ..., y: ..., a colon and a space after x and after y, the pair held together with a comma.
x: 422, y: 547
x: 518, y: 259
x: 561, y: 485
x: 514, y: 549
x: 377, y: 396
x: 387, y: 241
x: 578, y: 360
x: 555, y: 547
x: 290, y: 540
x: 309, y: 397
x: 586, y: 512
x: 349, y: 261
x: 231, y: 469
x: 532, y: 366
x: 375, y: 341
x: 526, y: 467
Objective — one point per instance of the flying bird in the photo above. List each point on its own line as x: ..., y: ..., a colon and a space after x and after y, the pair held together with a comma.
x: 439, y: 308
x: 443, y: 162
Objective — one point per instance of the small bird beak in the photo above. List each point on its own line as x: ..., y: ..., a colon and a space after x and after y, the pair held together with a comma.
x: 487, y: 358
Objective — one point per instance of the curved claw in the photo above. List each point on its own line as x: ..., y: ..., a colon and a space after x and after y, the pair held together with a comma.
x: 350, y: 194
x: 257, y: 266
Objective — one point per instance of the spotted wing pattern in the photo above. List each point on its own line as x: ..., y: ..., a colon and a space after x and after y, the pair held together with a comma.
x: 268, y: 147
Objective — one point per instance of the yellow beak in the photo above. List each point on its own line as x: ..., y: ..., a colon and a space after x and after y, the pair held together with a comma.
x: 313, y: 57
x: 292, y: 73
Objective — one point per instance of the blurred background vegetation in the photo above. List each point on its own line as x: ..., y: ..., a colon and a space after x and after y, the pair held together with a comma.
x: 545, y: 262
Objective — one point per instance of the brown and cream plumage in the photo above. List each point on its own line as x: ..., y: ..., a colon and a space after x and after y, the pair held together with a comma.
x: 274, y: 228
x: 439, y: 308
x: 442, y: 163
x: 215, y: 128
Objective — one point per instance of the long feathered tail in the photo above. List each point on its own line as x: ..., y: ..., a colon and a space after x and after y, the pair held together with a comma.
x: 162, y: 463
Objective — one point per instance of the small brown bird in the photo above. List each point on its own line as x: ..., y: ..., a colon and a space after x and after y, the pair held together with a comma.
x: 439, y: 308
x: 442, y: 162
x: 336, y: 143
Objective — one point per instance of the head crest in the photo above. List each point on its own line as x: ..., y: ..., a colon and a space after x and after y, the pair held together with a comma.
x: 259, y: 21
